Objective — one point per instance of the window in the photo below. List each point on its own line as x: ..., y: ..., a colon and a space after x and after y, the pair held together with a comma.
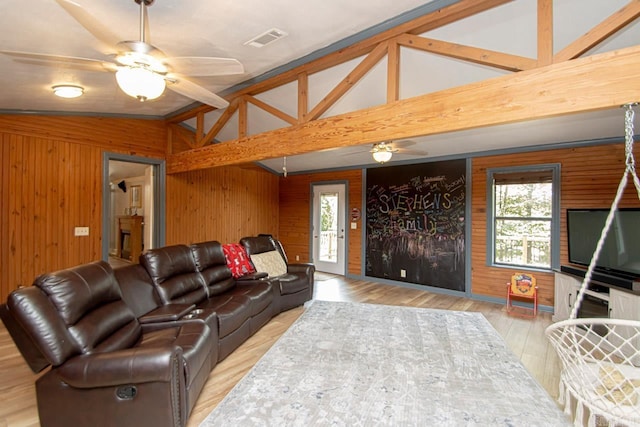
x: 523, y: 209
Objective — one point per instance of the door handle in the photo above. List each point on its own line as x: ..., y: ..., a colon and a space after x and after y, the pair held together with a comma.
x: 340, y: 237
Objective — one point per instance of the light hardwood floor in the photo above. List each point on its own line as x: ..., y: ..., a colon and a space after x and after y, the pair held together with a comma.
x: 525, y: 337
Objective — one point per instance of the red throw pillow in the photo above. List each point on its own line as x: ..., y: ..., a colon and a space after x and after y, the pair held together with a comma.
x: 237, y: 260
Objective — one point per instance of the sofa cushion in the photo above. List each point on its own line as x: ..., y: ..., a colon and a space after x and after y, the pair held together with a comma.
x: 260, y: 294
x: 232, y: 311
x: 137, y: 289
x: 208, y: 254
x: 175, y: 275
x: 270, y: 262
x: 212, y: 265
x: 237, y: 260
x: 88, y: 300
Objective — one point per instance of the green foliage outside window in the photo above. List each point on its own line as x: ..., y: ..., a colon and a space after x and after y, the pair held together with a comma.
x: 523, y: 214
x: 328, y: 209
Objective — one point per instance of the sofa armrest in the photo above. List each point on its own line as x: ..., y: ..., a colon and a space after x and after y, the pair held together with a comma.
x: 166, y: 313
x: 306, y: 268
x: 129, y: 366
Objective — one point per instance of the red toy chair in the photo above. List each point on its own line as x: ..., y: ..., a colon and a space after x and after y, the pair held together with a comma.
x: 522, y: 286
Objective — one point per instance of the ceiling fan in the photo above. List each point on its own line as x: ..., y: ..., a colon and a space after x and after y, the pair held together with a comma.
x: 383, y: 151
x: 142, y: 71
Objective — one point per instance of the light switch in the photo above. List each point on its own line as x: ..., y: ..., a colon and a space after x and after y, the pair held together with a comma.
x: 81, y: 231
x: 354, y: 225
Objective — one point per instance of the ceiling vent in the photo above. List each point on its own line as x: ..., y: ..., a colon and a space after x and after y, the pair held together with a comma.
x: 265, y: 38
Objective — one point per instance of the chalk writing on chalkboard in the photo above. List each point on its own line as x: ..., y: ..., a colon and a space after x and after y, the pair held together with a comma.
x: 415, y: 223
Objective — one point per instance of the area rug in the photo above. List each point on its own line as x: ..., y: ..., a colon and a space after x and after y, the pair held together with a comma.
x: 352, y: 364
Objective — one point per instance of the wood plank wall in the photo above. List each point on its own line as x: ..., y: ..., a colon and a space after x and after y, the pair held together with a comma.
x: 295, y: 212
x: 51, y: 182
x: 51, y: 169
x: 223, y: 204
x: 589, y: 178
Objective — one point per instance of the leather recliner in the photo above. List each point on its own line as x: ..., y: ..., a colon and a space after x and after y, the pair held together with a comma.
x: 105, y: 368
x: 139, y: 292
x: 199, y: 275
x: 296, y: 286
x: 212, y: 265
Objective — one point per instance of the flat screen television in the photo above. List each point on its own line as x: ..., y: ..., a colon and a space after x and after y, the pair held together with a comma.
x: 620, y: 254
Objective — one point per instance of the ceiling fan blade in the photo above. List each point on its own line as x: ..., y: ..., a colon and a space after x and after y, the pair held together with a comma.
x: 204, y: 66
x: 46, y: 59
x: 404, y: 143
x: 411, y: 152
x: 91, y: 24
x: 191, y: 90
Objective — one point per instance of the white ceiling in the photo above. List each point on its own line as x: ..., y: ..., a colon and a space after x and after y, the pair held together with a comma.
x: 219, y: 28
x: 119, y: 170
x: 179, y: 28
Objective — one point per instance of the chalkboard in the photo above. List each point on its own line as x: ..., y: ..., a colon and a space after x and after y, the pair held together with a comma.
x: 415, y: 218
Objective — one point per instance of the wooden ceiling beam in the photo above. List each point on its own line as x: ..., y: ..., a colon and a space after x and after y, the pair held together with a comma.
x: 221, y: 122
x: 477, y: 55
x: 596, y: 82
x: 600, y: 32
x: 347, y: 83
x: 545, y: 32
x: 200, y: 126
x: 272, y: 110
x: 393, y: 71
x: 455, y: 12
x: 189, y: 114
x: 436, y: 19
x: 186, y: 136
x: 243, y: 124
x: 303, y: 96
x: 448, y: 15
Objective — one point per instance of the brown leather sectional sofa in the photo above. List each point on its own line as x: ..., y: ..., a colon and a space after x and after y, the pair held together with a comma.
x: 134, y: 346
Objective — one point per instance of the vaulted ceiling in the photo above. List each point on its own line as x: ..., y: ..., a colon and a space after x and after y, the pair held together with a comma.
x: 492, y: 43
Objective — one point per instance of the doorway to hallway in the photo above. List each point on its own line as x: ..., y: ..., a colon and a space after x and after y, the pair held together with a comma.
x: 133, y: 206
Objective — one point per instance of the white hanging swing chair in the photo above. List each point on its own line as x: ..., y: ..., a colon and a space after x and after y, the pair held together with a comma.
x: 601, y: 357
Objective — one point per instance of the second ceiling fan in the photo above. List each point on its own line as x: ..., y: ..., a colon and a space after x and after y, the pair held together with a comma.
x: 383, y: 151
x: 142, y: 71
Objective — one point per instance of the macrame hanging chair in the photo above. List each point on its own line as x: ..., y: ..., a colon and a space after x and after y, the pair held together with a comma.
x: 600, y: 357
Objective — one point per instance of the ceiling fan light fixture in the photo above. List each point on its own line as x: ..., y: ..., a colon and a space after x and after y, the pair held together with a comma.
x: 140, y: 82
x: 141, y: 59
x: 382, y: 156
x: 381, y: 152
x: 68, y: 91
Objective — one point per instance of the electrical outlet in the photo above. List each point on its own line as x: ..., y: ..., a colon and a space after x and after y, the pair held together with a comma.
x: 297, y: 257
x: 354, y: 225
x: 81, y: 231
x: 403, y: 273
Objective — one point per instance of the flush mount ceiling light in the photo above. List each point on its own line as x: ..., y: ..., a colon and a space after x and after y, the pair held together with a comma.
x: 68, y: 91
x: 382, y: 152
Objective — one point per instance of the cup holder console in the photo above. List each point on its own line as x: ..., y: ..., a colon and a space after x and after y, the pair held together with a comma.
x: 193, y: 313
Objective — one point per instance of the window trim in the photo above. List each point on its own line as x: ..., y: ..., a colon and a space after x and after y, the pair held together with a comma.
x: 555, y: 213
